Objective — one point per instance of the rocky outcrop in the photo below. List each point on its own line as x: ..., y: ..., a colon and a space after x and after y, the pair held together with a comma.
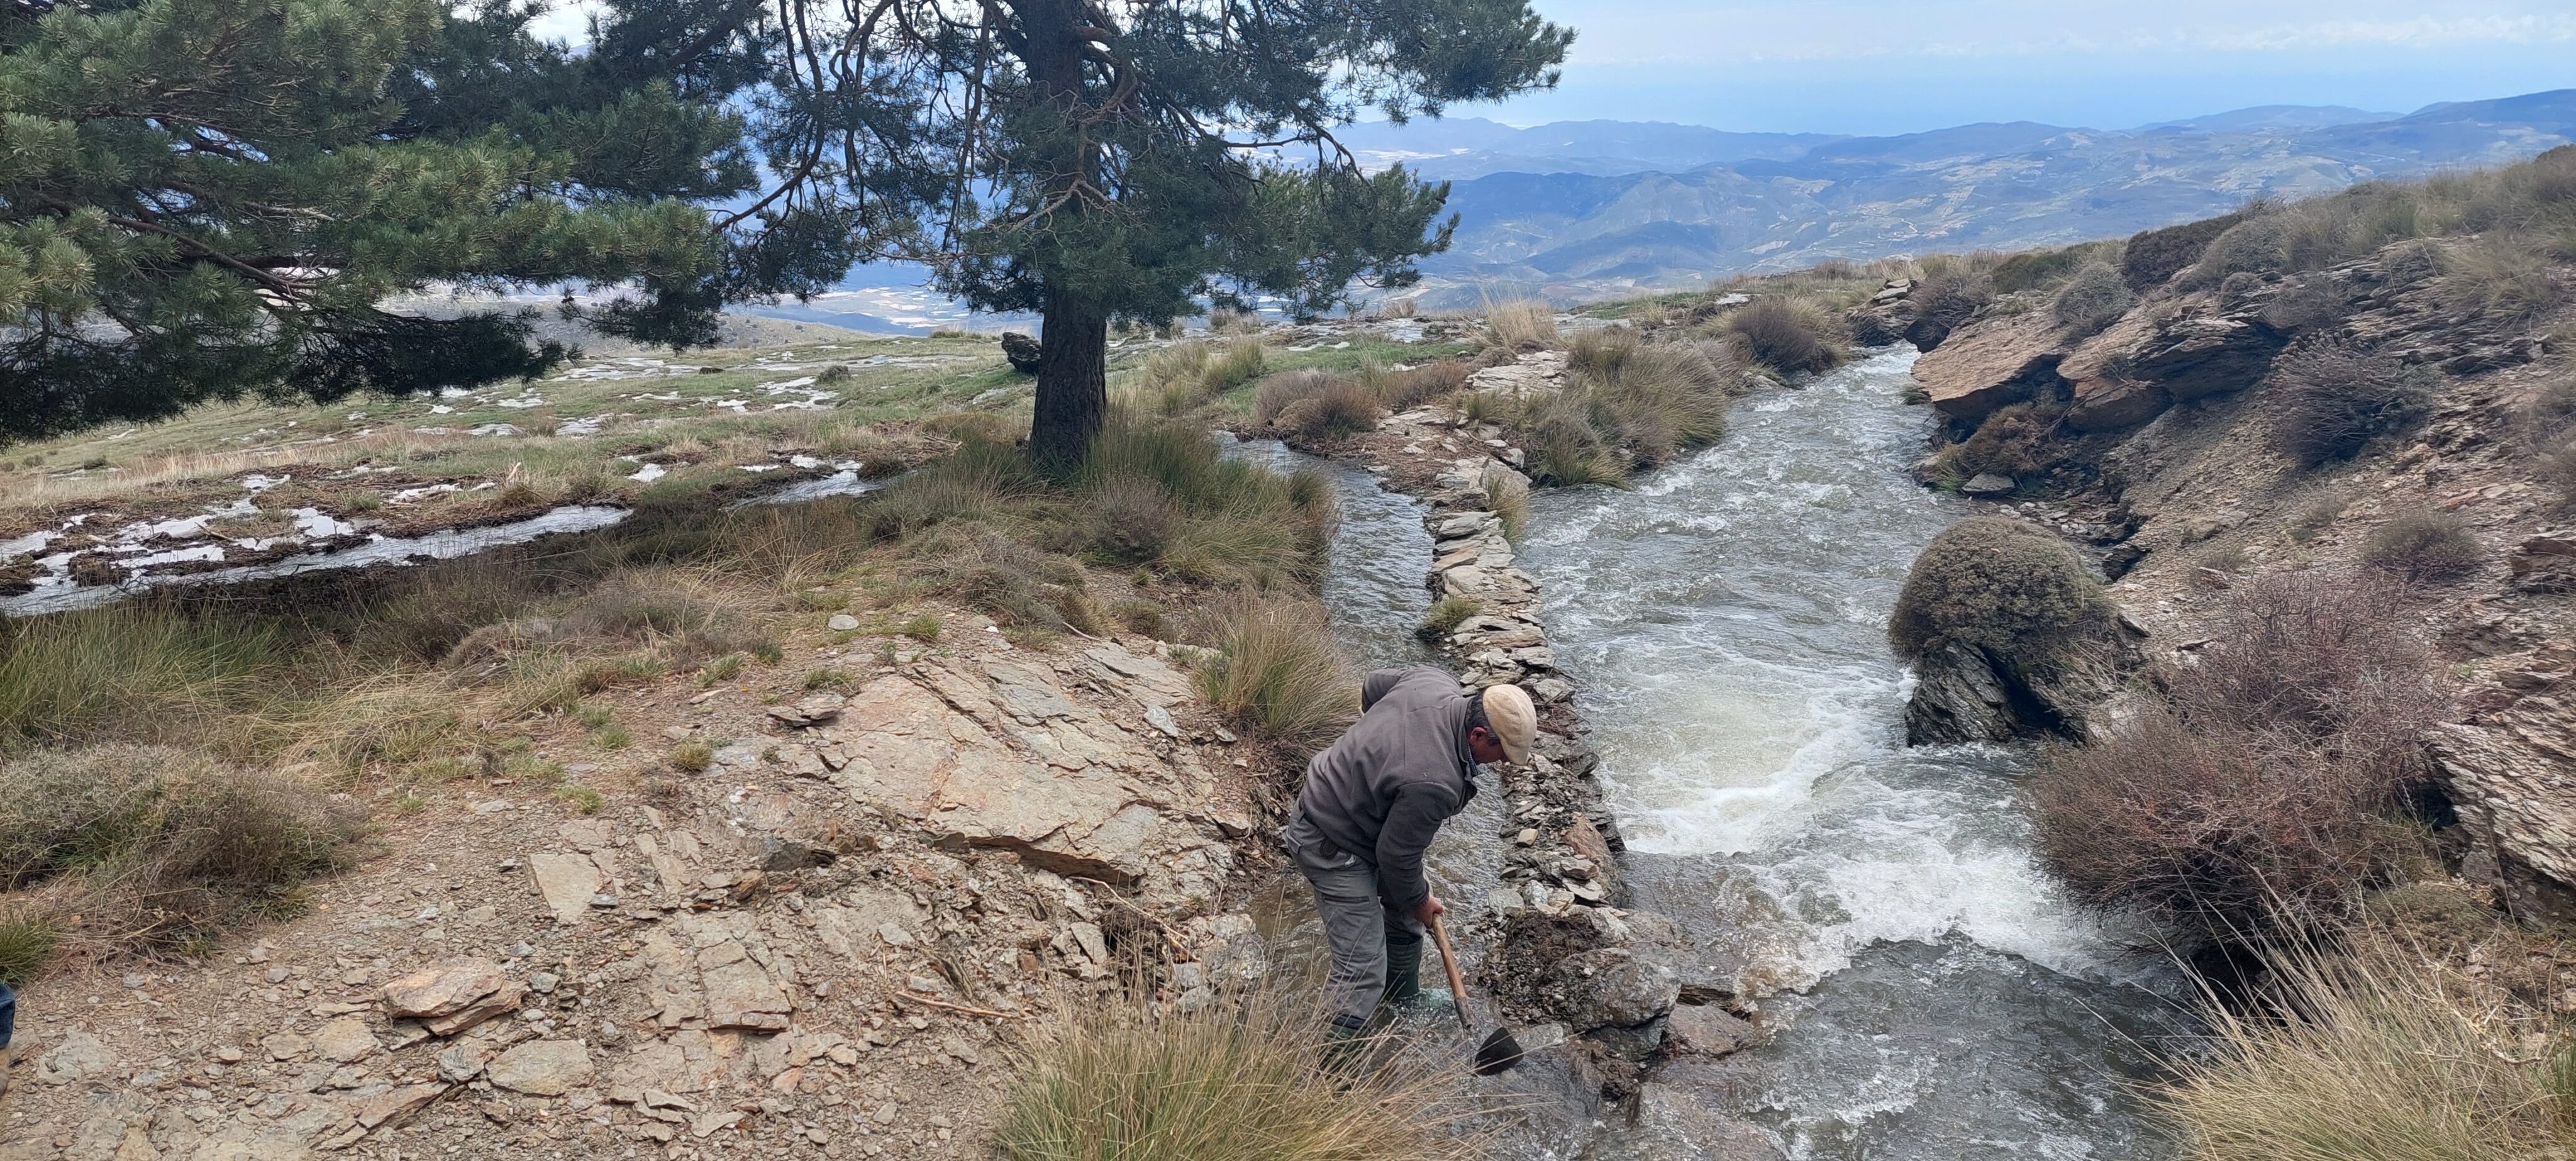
x: 1991, y: 363
x: 2511, y: 771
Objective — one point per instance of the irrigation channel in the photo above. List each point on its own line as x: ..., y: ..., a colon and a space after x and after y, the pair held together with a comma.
x: 1934, y: 995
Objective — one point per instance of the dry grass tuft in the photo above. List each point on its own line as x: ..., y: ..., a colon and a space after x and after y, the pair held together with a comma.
x: 2374, y: 1054
x: 1524, y: 324
x: 1315, y: 406
x: 1788, y: 335
x: 1239, y: 1079
x: 1277, y: 670
x: 118, y: 848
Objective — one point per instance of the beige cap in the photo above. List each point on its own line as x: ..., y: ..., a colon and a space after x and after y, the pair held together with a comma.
x: 1514, y: 720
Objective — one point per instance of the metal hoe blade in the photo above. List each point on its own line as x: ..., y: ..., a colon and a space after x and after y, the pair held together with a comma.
x: 1500, y: 1051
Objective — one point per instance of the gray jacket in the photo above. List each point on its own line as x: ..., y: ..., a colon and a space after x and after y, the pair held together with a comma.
x: 1381, y: 791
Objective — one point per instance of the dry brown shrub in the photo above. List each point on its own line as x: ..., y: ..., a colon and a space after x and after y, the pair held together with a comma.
x: 2271, y: 784
x: 2423, y: 547
x: 2329, y: 400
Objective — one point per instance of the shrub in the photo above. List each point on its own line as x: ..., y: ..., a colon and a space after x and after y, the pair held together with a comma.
x: 1786, y: 335
x: 1524, y: 324
x: 1142, y: 617
x: 1445, y: 615
x: 2372, y: 1055
x: 2014, y: 441
x: 1277, y: 670
x: 693, y: 757
x: 2266, y: 787
x: 2257, y: 245
x: 2092, y: 298
x: 141, y: 848
x: 1228, y: 1080
x: 2011, y: 589
x: 2330, y: 401
x: 2153, y: 257
x: 2423, y: 547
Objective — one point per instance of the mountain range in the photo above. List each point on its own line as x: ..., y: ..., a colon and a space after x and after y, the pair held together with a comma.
x: 1585, y: 210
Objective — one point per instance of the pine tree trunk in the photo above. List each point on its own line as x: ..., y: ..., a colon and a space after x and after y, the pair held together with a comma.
x: 1073, y: 381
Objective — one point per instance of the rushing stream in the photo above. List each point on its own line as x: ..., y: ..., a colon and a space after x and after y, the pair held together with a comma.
x: 1724, y: 623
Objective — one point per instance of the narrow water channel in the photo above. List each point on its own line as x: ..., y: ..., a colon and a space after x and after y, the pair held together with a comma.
x: 1935, y: 996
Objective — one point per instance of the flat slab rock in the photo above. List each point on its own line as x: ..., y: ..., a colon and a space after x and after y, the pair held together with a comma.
x: 937, y: 755
x: 1991, y: 363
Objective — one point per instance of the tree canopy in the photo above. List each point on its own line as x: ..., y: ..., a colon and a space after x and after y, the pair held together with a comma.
x: 1095, y: 161
x: 203, y: 198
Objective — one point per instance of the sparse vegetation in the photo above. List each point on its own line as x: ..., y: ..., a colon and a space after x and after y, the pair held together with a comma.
x: 2329, y: 401
x: 692, y: 757
x: 2423, y: 547
x: 1951, y: 291
x: 1445, y: 615
x: 1507, y: 493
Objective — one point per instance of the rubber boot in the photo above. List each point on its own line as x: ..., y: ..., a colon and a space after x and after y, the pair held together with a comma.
x: 1404, y: 990
x: 1343, y: 1045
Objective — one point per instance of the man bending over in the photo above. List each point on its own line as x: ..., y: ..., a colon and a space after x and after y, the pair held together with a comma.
x: 1370, y: 806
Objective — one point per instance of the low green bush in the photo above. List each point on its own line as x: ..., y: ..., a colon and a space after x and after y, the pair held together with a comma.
x: 2011, y: 589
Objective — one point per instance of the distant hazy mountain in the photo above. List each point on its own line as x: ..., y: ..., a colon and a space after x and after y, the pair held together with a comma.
x: 1584, y: 210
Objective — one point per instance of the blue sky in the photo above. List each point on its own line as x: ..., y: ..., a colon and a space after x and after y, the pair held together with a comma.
x: 1896, y: 66
x: 1899, y: 66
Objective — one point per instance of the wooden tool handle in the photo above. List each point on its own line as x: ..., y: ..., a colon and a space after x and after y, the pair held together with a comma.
x: 1449, y: 963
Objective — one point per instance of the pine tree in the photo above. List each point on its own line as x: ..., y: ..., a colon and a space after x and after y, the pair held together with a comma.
x: 1104, y: 160
x: 205, y: 198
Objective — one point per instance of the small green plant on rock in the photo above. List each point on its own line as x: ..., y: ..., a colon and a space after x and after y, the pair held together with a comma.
x: 2010, y: 589
x: 1445, y: 615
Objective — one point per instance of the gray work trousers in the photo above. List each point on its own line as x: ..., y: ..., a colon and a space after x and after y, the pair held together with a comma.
x: 1358, y: 923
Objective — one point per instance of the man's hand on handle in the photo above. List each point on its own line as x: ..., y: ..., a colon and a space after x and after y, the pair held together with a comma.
x: 1430, y: 907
